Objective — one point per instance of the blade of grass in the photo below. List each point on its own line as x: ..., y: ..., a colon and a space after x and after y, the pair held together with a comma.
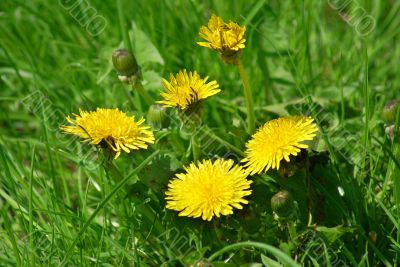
x: 8, y: 226
x: 249, y: 99
x: 31, y: 236
x: 366, y: 116
x: 103, y: 203
x: 274, y: 251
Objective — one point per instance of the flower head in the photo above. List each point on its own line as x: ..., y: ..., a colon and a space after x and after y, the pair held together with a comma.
x: 110, y: 127
x: 186, y: 89
x: 226, y: 38
x: 208, y: 189
x: 277, y: 140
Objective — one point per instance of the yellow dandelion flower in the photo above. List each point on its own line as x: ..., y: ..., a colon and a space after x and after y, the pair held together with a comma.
x: 110, y: 127
x: 208, y: 189
x: 221, y: 36
x: 277, y: 140
x: 186, y: 89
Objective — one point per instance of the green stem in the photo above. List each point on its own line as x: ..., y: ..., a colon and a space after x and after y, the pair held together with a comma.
x: 31, y: 236
x: 139, y: 87
x: 130, y: 95
x: 136, y: 85
x: 50, y: 154
x: 124, y: 32
x: 366, y: 117
x: 249, y: 99
x: 217, y: 233
x: 396, y: 178
x: 292, y: 231
x: 274, y: 251
x: 393, y: 174
x: 195, y: 147
x: 310, y: 191
x: 342, y: 104
x: 211, y: 134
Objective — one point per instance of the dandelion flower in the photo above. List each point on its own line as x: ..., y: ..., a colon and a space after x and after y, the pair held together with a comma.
x: 208, y: 189
x: 186, y: 89
x: 277, y: 140
x: 226, y: 38
x: 110, y: 127
x: 222, y: 36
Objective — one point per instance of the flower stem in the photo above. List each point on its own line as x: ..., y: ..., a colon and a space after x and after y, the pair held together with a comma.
x: 393, y: 174
x: 217, y: 233
x: 228, y: 145
x: 139, y: 87
x: 249, y: 99
x: 292, y: 230
x: 136, y: 85
x: 195, y: 147
x: 124, y: 32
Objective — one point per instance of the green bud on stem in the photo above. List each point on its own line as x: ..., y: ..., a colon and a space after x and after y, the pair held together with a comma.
x: 390, y: 110
x: 283, y: 205
x: 125, y: 63
x: 157, y: 116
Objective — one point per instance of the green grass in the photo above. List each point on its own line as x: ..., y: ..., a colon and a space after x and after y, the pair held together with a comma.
x: 61, y: 207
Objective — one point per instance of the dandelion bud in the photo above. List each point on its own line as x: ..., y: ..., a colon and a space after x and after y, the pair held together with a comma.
x: 390, y: 110
x: 125, y: 63
x: 283, y: 205
x: 202, y: 263
x: 157, y: 116
x: 389, y: 130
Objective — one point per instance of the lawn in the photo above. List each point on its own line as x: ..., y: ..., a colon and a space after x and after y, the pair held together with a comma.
x: 287, y: 155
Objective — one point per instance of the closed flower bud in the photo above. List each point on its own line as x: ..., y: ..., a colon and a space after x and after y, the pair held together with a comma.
x: 390, y: 132
x: 125, y: 63
x: 202, y: 263
x: 283, y: 205
x: 390, y: 110
x: 157, y: 116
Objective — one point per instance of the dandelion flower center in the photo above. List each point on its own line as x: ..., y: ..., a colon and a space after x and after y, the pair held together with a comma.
x: 208, y: 189
x: 111, y: 126
x: 277, y: 140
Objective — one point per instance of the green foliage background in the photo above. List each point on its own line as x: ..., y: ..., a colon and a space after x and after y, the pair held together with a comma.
x: 302, y: 57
